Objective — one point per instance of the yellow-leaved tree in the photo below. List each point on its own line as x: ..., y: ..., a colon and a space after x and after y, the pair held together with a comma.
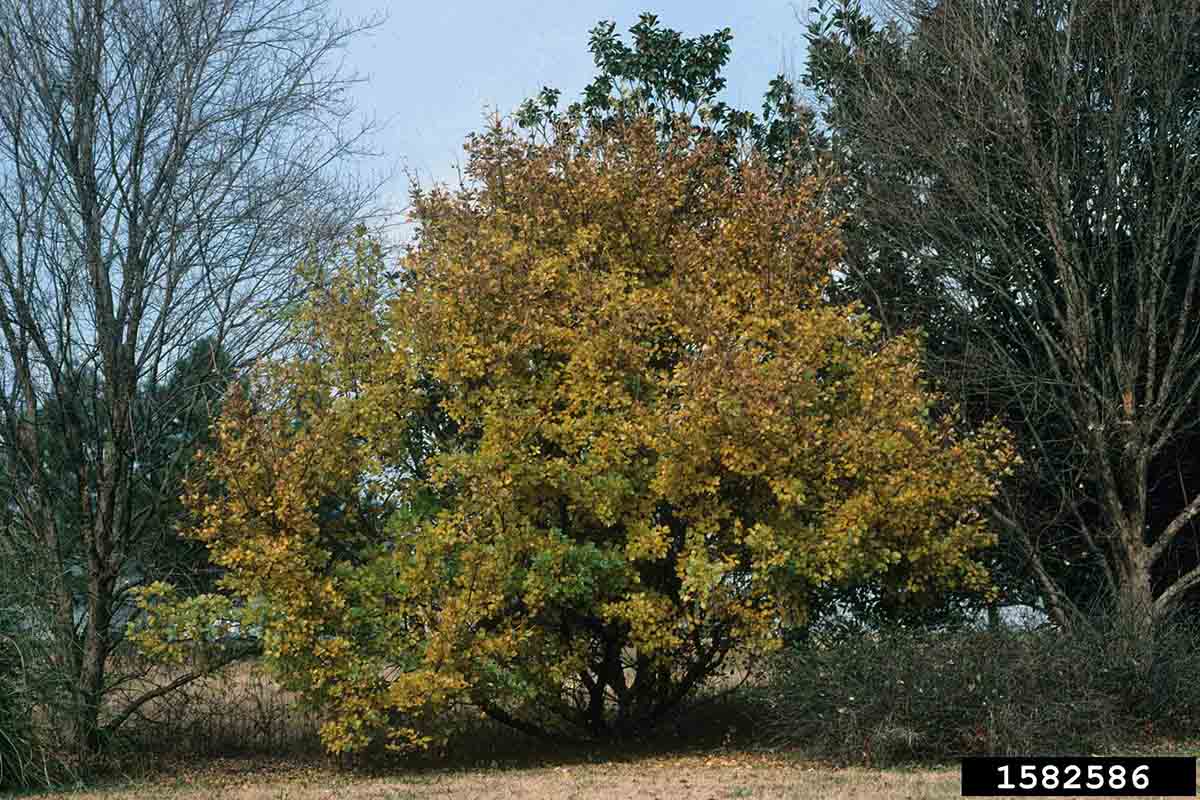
x: 615, y: 430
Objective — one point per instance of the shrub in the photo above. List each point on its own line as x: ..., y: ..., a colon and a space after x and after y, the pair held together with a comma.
x: 15, y: 722
x: 904, y: 694
x: 667, y: 437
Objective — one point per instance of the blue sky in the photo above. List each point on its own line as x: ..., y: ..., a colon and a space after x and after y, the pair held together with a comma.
x: 434, y: 68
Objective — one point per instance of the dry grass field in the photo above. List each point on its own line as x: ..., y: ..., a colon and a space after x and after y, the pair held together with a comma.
x: 687, y: 777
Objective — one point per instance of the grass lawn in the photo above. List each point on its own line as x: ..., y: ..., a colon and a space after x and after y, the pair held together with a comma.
x: 678, y: 777
x: 683, y: 777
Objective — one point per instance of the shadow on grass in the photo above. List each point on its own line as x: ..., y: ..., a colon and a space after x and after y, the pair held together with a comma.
x: 712, y: 725
x: 709, y: 725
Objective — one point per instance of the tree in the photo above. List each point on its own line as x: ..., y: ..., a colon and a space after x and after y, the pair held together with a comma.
x: 184, y: 406
x: 677, y: 81
x: 164, y: 164
x: 1023, y: 183
x: 673, y: 439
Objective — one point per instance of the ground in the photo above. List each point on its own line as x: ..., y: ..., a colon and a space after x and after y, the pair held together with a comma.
x: 686, y: 777
x: 760, y: 776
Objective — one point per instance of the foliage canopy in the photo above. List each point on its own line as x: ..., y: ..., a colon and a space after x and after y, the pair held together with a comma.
x: 665, y: 438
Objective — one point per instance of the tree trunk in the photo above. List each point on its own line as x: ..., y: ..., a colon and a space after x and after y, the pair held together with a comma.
x: 1137, y: 618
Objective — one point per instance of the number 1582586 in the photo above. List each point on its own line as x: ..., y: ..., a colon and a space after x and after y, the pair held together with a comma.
x: 1085, y: 775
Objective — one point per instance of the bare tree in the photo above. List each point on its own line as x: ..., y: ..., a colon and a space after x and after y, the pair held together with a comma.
x: 1025, y: 176
x: 164, y: 164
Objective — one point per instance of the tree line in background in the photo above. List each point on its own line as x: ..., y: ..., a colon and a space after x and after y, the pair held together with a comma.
x: 1021, y: 184
x: 661, y: 383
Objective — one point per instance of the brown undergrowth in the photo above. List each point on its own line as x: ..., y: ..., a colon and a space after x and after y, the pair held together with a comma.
x: 241, y: 737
